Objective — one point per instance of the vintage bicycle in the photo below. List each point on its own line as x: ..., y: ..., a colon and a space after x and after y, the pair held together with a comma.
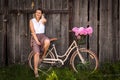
x: 80, y: 59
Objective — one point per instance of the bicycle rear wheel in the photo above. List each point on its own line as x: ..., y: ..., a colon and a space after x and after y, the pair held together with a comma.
x: 30, y: 60
x: 90, y: 61
x: 44, y: 65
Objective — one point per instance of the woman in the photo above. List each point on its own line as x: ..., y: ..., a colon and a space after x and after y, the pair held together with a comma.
x: 39, y: 41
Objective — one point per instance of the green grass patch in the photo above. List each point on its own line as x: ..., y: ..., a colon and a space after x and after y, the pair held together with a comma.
x: 107, y: 71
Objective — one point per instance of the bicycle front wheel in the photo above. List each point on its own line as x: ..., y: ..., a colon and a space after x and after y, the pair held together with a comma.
x: 88, y: 63
x: 43, y: 66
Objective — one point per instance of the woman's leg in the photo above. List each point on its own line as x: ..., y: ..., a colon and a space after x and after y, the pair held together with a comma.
x: 36, y: 61
x: 46, y: 46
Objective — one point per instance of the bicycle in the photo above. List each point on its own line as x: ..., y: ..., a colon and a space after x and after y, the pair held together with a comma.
x: 81, y: 59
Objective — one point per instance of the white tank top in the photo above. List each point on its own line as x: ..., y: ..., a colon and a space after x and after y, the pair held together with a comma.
x: 38, y: 26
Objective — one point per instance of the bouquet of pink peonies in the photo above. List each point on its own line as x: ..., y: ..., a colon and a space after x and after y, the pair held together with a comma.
x: 82, y: 32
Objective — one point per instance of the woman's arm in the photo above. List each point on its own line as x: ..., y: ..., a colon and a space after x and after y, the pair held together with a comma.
x: 43, y: 19
x: 33, y: 32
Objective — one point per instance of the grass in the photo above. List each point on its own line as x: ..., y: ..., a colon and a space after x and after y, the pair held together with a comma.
x: 22, y: 72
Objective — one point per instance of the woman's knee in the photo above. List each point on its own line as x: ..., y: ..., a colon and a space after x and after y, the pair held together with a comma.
x: 37, y: 54
x: 47, y: 42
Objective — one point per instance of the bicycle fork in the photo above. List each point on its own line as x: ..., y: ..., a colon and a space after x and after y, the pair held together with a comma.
x: 82, y: 59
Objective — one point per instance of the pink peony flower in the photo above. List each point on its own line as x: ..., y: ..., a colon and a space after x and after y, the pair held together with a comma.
x: 89, y: 30
x: 76, y: 30
x: 82, y: 31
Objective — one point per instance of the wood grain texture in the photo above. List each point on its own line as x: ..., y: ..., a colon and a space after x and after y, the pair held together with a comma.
x: 102, y: 15
x: 93, y: 22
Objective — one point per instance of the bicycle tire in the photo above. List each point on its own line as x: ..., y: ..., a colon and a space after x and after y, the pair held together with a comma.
x: 29, y: 60
x: 43, y: 66
x: 91, y: 61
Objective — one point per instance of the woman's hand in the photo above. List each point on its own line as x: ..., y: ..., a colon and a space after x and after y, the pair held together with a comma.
x: 38, y: 43
x: 43, y: 16
x: 43, y: 19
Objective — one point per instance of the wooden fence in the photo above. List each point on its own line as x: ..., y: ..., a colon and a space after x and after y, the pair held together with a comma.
x: 62, y: 16
x: 104, y: 17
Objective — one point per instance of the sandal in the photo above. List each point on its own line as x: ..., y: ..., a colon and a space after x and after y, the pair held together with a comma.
x: 36, y: 73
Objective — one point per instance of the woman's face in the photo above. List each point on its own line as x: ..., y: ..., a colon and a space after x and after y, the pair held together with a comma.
x: 38, y: 14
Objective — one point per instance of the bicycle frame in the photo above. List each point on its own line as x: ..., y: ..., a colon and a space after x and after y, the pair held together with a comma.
x: 67, y: 53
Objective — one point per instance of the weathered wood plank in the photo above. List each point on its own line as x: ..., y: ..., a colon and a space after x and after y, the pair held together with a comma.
x: 26, y: 4
x: 2, y: 41
x: 106, y: 49
x: 93, y: 22
x: 76, y: 13
x: 2, y: 58
x: 17, y: 40
x: 57, y: 5
x: 36, y: 3
x: 110, y: 31
x: 1, y: 22
x: 115, y: 30
x: 103, y: 30
x: 119, y: 32
x: 11, y: 38
x: 65, y: 5
x: 43, y: 4
x: 24, y: 37
x: 22, y: 4
x: 56, y: 30
x: 64, y: 43
x: 13, y: 4
x: 1, y: 4
x: 46, y: 4
x: 49, y: 26
x: 83, y: 12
